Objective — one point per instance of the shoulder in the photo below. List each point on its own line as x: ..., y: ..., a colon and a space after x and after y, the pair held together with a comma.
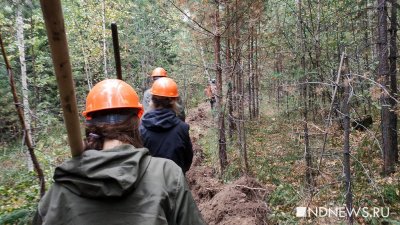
x: 184, y: 126
x: 166, y: 170
x: 164, y: 165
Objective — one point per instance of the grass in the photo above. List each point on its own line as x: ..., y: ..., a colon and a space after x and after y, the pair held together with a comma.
x: 19, y: 187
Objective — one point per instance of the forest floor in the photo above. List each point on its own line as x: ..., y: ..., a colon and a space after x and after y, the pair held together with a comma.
x: 237, y: 203
x: 271, y: 193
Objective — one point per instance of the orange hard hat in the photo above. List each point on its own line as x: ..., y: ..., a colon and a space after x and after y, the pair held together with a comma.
x: 165, y: 87
x: 112, y: 94
x: 159, y: 72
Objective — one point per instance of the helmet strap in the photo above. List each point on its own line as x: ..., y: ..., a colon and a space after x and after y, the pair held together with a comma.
x: 109, y: 118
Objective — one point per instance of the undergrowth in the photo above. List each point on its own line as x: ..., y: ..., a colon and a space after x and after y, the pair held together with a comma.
x: 276, y: 157
x: 19, y: 187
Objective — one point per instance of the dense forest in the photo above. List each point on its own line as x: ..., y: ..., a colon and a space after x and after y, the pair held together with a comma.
x: 306, y: 98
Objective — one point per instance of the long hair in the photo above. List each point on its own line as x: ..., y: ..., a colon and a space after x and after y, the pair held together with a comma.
x: 126, y: 131
x: 165, y: 102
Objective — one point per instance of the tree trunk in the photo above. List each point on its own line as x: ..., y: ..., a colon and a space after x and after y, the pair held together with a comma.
x: 24, y: 81
x: 383, y: 79
x: 240, y: 96
x: 346, y: 147
x: 257, y: 74
x: 221, y: 118
x: 366, y: 48
x: 252, y: 72
x: 393, y: 80
x: 230, y: 74
x: 56, y: 35
x: 307, y: 151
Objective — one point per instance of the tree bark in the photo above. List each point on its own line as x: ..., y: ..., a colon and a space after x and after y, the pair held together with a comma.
x: 221, y: 118
x: 346, y: 146
x: 383, y: 79
x: 257, y: 73
x: 230, y: 74
x: 393, y: 80
x: 307, y: 151
x: 24, y: 80
x: 55, y: 28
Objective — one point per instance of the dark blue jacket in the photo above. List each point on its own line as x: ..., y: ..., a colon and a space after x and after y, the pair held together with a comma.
x: 166, y: 136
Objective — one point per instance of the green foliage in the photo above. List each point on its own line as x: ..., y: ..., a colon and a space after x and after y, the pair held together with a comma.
x: 283, y: 200
x: 210, y: 147
x: 9, y: 123
x: 233, y: 171
x: 284, y: 195
x: 391, y: 193
x: 17, y: 217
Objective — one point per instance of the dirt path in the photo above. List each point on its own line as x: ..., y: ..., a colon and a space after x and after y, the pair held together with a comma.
x: 237, y: 203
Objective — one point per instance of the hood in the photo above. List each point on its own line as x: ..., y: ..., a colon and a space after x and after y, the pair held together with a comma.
x: 101, y: 174
x: 160, y: 119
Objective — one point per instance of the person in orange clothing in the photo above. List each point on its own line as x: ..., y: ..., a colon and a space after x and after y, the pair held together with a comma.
x: 210, y: 92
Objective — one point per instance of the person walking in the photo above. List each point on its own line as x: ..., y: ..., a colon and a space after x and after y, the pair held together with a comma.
x: 210, y: 92
x: 156, y: 74
x: 115, y: 180
x: 162, y: 132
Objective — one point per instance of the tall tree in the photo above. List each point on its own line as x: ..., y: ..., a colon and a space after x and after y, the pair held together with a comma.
x: 304, y: 95
x: 24, y: 79
x: 346, y: 145
x: 383, y: 79
x: 221, y: 116
x: 393, y: 80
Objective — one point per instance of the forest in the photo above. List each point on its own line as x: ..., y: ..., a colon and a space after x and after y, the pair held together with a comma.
x: 305, y: 126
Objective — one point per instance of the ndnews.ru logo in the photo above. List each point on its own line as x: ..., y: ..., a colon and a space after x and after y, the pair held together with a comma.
x: 342, y: 212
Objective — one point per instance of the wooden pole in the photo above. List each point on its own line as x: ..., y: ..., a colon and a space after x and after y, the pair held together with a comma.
x: 114, y: 31
x: 54, y: 20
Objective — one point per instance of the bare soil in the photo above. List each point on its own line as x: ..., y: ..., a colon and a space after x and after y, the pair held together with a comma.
x: 237, y: 203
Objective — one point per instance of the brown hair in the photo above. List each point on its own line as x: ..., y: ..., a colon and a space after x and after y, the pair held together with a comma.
x: 126, y: 131
x: 164, y: 102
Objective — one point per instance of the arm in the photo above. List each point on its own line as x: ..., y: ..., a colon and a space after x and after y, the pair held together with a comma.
x: 188, y: 150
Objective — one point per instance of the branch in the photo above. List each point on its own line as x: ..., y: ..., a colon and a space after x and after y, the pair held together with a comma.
x: 198, y: 24
x: 27, y: 135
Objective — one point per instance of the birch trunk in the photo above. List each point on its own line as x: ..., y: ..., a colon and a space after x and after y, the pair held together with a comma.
x: 24, y: 81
